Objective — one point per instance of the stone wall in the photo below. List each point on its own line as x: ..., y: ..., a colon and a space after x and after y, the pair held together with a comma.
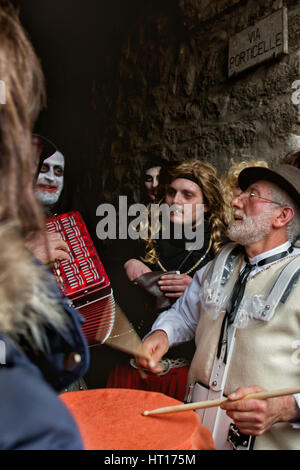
x: 172, y: 96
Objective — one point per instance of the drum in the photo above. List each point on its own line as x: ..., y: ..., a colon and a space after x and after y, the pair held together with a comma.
x: 112, y: 419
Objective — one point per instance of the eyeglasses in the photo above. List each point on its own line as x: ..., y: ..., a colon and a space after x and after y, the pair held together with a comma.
x: 251, y: 195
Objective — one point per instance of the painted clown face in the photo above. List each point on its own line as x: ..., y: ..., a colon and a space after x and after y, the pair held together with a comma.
x: 151, y: 181
x: 50, y: 180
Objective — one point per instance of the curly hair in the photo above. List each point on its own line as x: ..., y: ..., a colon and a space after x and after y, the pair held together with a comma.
x: 229, y: 181
x: 209, y: 182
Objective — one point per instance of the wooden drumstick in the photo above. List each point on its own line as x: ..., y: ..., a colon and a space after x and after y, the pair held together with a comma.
x: 124, y: 337
x: 211, y: 403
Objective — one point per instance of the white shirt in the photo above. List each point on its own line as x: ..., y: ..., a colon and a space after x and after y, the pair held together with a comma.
x: 181, y: 320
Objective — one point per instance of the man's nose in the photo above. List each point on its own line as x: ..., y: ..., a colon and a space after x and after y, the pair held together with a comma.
x: 237, y: 200
x: 177, y: 199
x: 49, y: 176
x: 155, y: 182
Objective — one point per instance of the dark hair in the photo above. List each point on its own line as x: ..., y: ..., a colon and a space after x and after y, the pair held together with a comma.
x: 153, y: 162
x: 292, y: 158
x: 45, y: 148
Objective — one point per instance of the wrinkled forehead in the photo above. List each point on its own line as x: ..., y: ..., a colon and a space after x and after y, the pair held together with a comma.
x: 184, y: 184
x: 57, y: 159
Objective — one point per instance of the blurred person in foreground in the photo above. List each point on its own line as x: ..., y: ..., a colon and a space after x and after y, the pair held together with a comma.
x: 43, y: 349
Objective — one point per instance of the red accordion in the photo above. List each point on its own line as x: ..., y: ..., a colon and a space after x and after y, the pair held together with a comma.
x: 83, y: 278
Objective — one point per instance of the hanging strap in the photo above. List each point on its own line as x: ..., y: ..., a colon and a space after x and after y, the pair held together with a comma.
x: 279, y: 292
x: 221, y: 262
x: 282, y: 288
x: 239, y: 288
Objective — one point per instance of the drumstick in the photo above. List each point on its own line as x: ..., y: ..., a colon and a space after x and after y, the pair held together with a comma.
x: 211, y: 403
x: 124, y: 337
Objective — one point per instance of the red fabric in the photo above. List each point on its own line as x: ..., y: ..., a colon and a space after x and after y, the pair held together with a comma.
x: 172, y: 384
x: 112, y: 419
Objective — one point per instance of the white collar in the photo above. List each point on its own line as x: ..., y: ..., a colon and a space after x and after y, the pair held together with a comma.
x: 278, y: 249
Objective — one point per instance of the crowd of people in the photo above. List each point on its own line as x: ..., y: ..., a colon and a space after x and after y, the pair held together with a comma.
x: 217, y: 318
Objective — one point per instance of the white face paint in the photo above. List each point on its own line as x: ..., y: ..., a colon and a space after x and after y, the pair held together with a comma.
x: 50, y: 180
x: 152, y: 180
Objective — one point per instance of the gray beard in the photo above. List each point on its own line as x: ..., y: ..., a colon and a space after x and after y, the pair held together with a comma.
x: 251, y: 229
x: 47, y: 199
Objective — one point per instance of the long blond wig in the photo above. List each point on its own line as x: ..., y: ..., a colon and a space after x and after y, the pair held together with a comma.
x: 207, y: 177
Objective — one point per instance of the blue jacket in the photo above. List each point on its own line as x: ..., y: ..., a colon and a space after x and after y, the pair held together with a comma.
x: 31, y: 414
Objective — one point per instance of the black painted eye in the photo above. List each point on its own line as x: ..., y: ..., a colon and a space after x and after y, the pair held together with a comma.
x: 58, y: 171
x: 44, y: 168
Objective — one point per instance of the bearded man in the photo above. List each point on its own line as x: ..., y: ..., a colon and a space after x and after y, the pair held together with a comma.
x: 49, y: 192
x: 243, y: 310
x: 50, y: 180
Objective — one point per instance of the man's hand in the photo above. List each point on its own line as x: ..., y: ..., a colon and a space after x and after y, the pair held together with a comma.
x: 254, y: 417
x: 135, y: 268
x: 48, y: 247
x: 155, y: 346
x: 174, y: 285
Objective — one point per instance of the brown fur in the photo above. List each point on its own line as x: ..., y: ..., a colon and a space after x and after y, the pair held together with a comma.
x: 27, y: 305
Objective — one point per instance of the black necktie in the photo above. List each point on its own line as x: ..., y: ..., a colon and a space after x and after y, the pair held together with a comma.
x: 238, y: 291
x: 239, y: 288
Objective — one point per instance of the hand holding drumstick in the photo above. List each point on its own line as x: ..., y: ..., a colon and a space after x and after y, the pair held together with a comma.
x: 252, y: 415
x: 155, y: 346
x: 253, y: 409
x: 255, y: 416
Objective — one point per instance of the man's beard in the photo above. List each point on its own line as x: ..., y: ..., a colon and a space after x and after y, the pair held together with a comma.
x: 250, y: 229
x: 47, y: 199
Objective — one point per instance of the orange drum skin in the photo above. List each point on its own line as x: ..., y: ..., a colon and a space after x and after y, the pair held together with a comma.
x: 112, y: 419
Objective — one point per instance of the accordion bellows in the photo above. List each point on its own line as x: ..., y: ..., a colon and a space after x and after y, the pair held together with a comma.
x: 83, y: 278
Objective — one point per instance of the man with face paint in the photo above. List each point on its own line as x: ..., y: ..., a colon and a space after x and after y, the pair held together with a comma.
x: 48, y: 190
x: 50, y: 187
x: 150, y: 179
x: 50, y: 180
